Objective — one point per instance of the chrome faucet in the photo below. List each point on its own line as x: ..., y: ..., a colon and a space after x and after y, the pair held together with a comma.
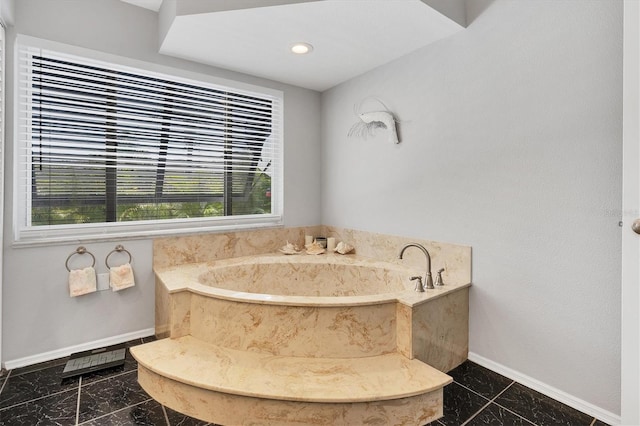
x: 427, y: 279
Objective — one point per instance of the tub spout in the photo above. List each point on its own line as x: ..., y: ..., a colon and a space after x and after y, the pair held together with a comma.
x: 427, y: 279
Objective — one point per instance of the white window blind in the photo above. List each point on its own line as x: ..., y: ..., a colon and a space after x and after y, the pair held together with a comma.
x: 102, y: 144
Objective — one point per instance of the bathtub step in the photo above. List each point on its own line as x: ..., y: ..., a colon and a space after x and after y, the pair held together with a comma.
x: 231, y: 387
x: 324, y: 380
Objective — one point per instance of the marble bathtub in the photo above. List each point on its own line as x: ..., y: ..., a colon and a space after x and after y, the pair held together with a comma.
x: 233, y: 313
x: 329, y: 275
x: 303, y: 305
x: 329, y: 279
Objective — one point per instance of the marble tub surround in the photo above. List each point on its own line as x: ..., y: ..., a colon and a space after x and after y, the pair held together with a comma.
x: 197, y: 248
x: 304, y: 331
x: 329, y: 279
x: 269, y: 303
x: 171, y: 251
x: 436, y: 332
x: 454, y: 258
x: 441, y: 339
x: 331, y: 338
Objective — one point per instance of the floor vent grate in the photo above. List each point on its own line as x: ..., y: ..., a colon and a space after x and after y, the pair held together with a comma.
x: 97, y: 359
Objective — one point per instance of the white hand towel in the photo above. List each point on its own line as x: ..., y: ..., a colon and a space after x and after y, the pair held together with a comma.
x: 82, y: 281
x: 121, y: 277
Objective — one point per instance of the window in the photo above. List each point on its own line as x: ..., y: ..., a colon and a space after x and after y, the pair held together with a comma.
x: 104, y: 146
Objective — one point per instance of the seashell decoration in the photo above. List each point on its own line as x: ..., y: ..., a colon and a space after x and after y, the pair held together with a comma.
x: 289, y: 249
x: 315, y: 248
x: 343, y: 248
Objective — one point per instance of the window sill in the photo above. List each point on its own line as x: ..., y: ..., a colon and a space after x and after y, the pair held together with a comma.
x: 47, y: 236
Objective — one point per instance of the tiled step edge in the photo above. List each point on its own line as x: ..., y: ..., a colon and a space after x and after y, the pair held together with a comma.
x: 329, y: 380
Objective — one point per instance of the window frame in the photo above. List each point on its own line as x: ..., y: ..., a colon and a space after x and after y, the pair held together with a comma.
x: 26, y: 234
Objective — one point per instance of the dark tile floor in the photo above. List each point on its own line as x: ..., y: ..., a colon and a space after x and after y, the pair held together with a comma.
x: 35, y: 395
x: 479, y: 396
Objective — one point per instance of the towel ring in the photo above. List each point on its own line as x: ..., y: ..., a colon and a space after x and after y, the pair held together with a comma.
x: 80, y: 250
x: 119, y: 249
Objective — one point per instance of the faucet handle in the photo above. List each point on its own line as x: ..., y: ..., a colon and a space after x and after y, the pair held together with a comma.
x: 419, y: 287
x: 439, y: 277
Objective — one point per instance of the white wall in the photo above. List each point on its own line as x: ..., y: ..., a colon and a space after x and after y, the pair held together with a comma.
x: 38, y: 315
x: 511, y: 143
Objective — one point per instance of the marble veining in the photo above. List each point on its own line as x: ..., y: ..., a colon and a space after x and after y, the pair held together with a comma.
x: 215, y: 246
x: 171, y: 251
x: 276, y: 278
x: 308, y: 331
x: 231, y: 409
x: 213, y: 367
x: 258, y: 336
x: 306, y: 276
x: 440, y: 330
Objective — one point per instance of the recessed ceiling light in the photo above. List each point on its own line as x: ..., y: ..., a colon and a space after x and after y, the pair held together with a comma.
x: 301, y: 48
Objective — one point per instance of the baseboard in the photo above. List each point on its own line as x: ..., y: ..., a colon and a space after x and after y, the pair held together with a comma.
x: 550, y: 391
x: 64, y: 352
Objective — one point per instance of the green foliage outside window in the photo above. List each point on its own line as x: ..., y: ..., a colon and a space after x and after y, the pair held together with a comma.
x: 258, y: 201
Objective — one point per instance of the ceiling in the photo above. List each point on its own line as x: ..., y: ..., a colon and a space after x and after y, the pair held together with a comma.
x: 349, y: 37
x: 147, y: 4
